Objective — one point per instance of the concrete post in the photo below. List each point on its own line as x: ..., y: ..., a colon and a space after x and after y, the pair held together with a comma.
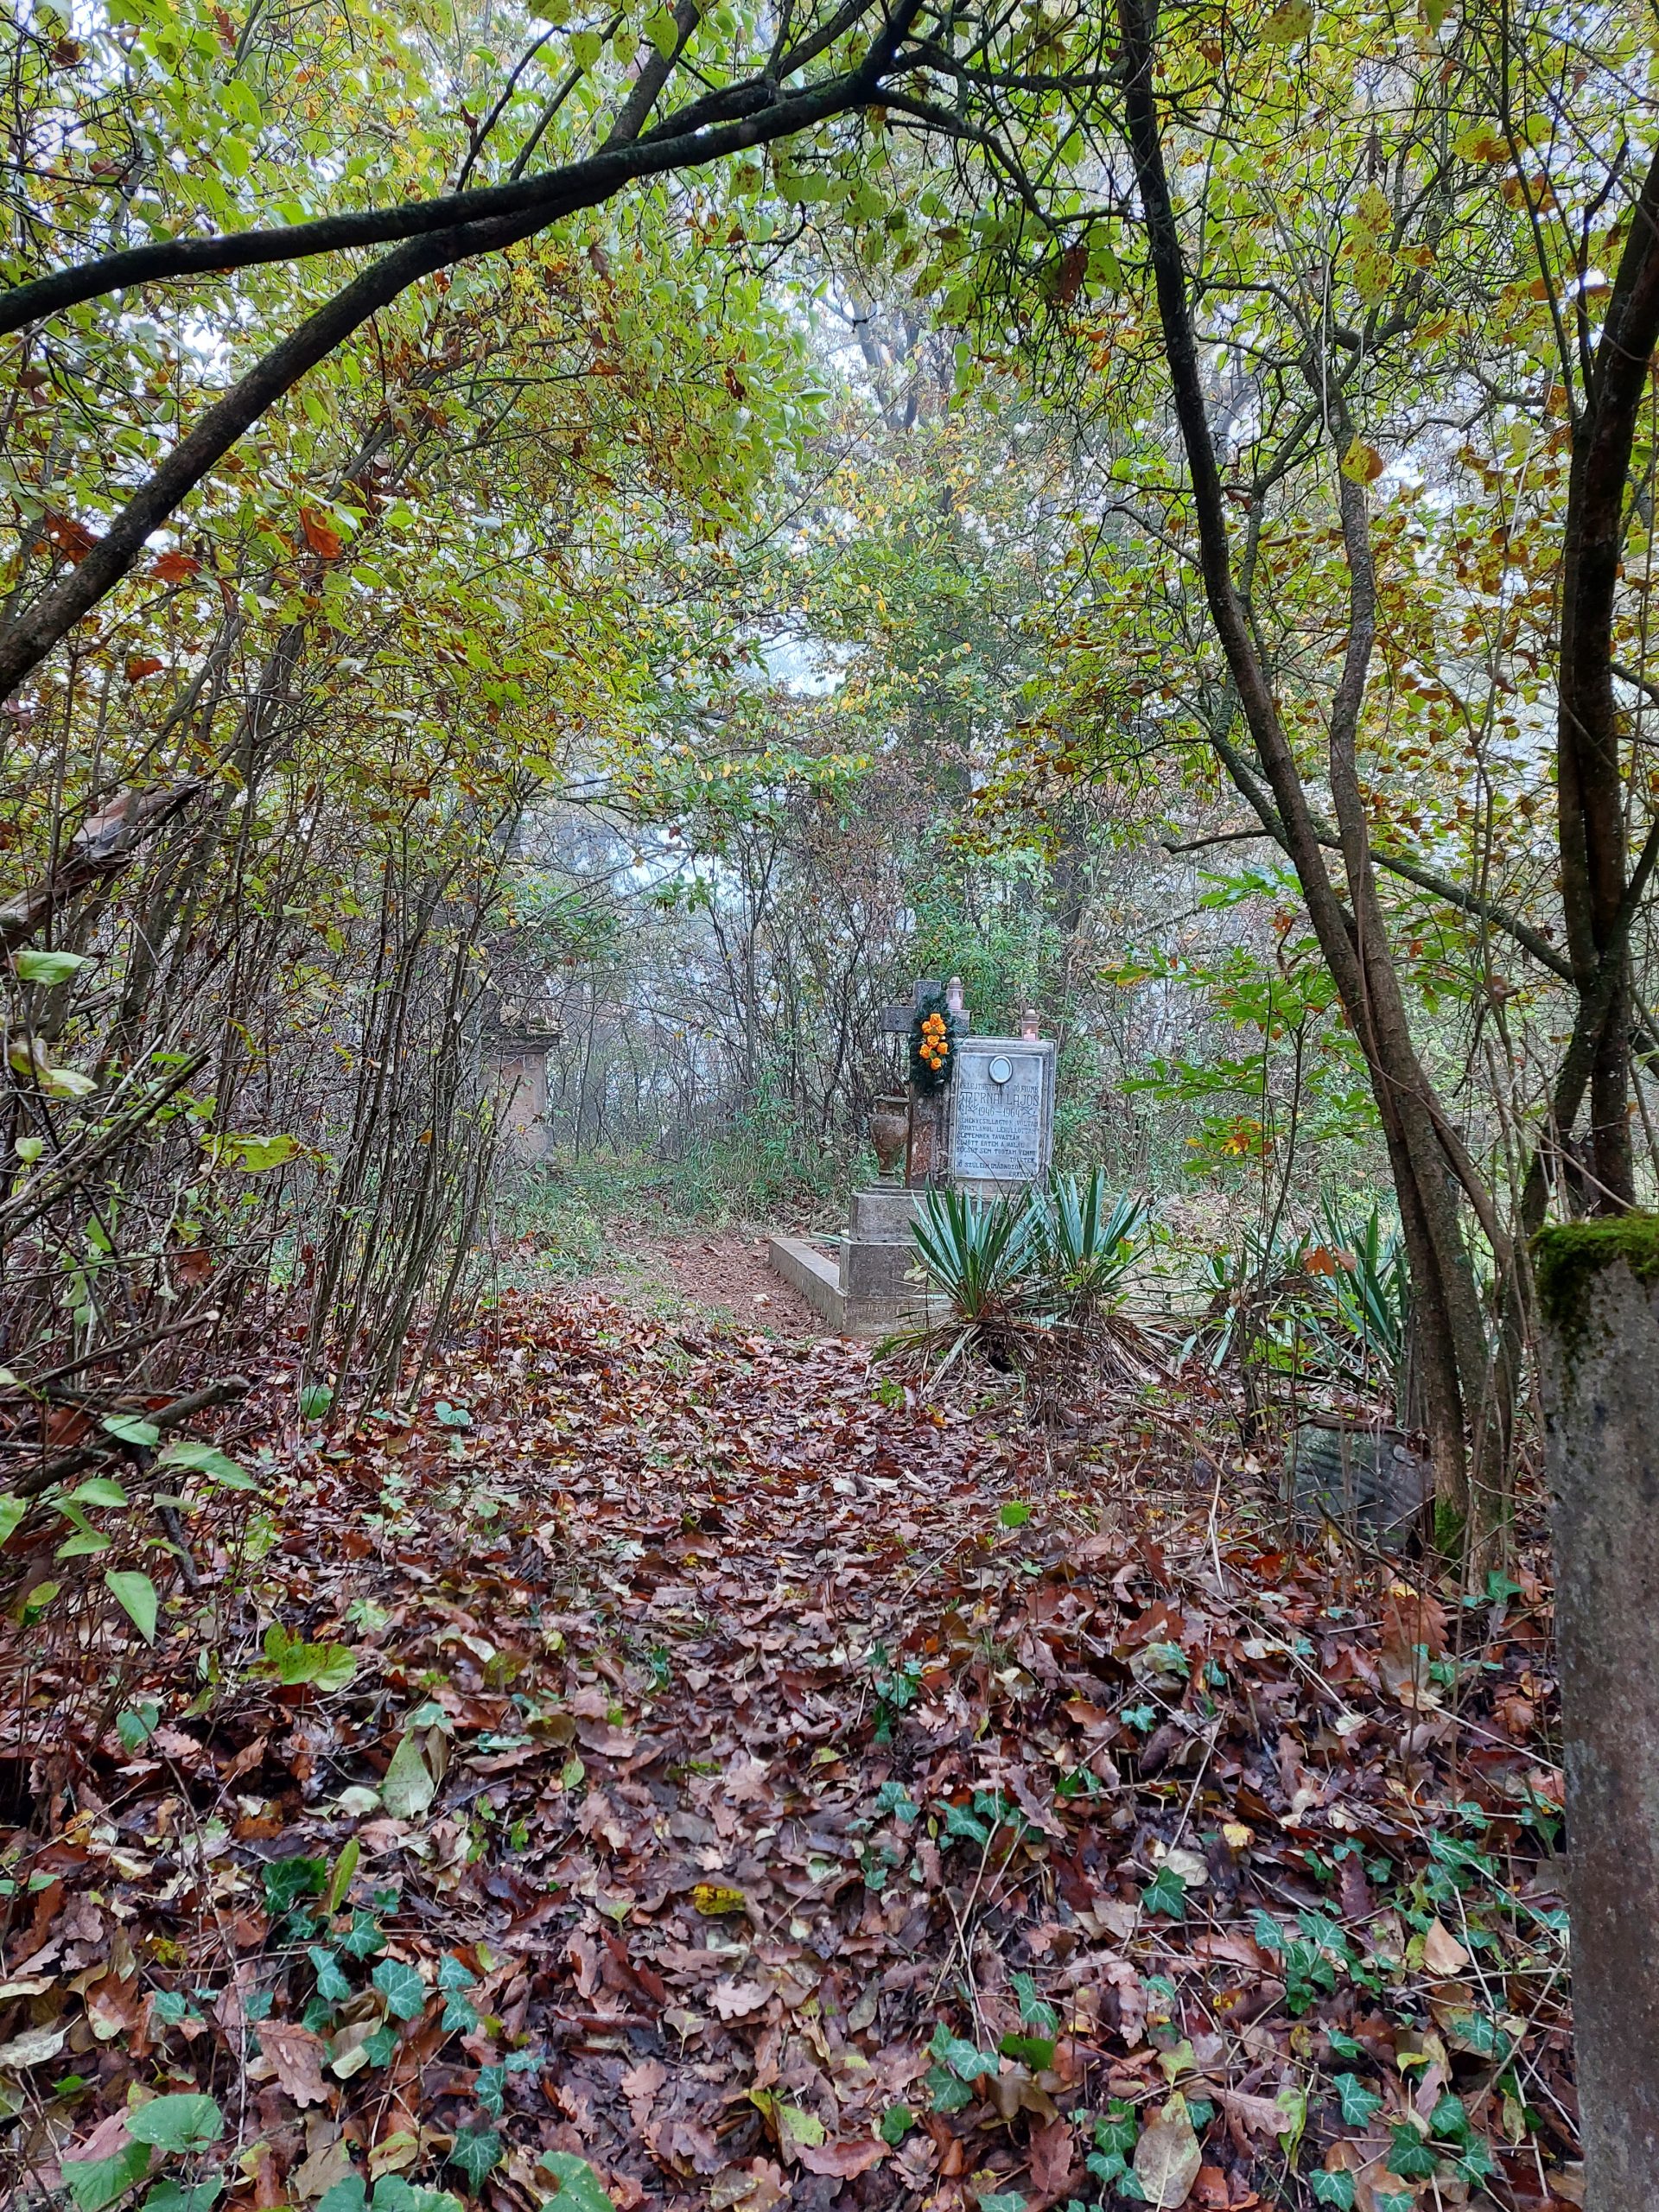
x: 1598, y: 1295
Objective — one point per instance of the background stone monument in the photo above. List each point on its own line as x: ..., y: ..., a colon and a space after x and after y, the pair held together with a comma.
x: 987, y: 1129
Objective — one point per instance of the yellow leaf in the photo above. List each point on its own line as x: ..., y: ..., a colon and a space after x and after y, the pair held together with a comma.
x: 711, y: 1898
x: 1361, y: 464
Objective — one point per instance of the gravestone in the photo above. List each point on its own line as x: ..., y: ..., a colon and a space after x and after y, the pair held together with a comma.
x: 1001, y: 1116
x: 989, y: 1131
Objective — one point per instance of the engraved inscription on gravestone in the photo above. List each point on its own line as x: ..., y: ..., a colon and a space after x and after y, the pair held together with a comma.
x: 1001, y: 1110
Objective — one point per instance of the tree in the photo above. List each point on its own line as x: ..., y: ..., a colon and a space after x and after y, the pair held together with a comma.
x: 747, y: 111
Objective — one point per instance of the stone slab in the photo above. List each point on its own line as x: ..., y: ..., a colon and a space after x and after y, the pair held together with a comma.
x: 860, y: 1291
x: 882, y: 1213
x: 813, y: 1273
x: 1001, y: 1136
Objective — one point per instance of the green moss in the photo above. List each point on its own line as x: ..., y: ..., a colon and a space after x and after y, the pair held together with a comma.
x: 1566, y: 1260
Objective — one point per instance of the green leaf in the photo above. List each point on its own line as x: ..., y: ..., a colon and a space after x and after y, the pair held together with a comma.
x: 94, y: 2183
x: 960, y: 2056
x: 287, y: 1880
x: 579, y: 2188
x: 98, y: 1490
x: 138, y: 1595
x: 128, y: 1429
x: 1449, y: 2119
x: 1035, y: 2012
x: 186, y: 2122
x: 347, y: 2195
x: 586, y: 47
x: 12, y: 1509
x: 1035, y: 2051
x: 1013, y: 1514
x: 65, y: 1083
x: 137, y: 1725
x: 37, y: 1601
x: 1409, y: 2156
x: 895, y: 2124
x: 315, y: 1400
x: 1359, y: 2105
x: 331, y: 1982
x: 206, y: 1460
x: 402, y: 1987
x: 663, y: 32
x: 47, y: 968
x: 169, y: 2196
x: 1165, y: 1893
x: 945, y: 2093
x: 1334, y: 2188
x: 340, y: 1880
x: 1002, y: 2200
x: 408, y: 1788
x: 477, y: 2151
x: 252, y: 1154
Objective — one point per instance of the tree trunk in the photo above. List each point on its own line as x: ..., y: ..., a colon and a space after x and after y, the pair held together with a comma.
x: 1590, y: 775
x: 1598, y: 1295
x: 1428, y: 1160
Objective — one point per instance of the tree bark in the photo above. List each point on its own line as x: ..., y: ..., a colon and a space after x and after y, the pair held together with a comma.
x: 1589, y: 773
x: 1598, y: 1292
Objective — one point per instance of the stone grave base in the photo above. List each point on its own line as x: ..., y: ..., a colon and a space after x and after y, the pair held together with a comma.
x: 859, y: 1283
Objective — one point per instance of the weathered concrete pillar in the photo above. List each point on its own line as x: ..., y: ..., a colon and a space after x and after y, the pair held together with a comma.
x: 1599, y: 1293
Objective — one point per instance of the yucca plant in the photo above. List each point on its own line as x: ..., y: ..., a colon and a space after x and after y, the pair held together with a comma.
x: 1367, y: 1290
x: 982, y: 1259
x: 1088, y: 1237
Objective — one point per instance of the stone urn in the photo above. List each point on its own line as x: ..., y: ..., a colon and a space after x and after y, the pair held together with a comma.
x: 889, y: 1127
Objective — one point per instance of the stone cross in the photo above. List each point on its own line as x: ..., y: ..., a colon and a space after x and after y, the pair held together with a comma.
x: 925, y: 1160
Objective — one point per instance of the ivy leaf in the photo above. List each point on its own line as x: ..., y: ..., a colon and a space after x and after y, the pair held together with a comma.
x: 579, y: 2189
x: 287, y: 1880
x: 331, y: 1982
x: 1359, y: 2105
x: 1409, y: 2156
x: 402, y: 1987
x: 1333, y: 2189
x: 186, y: 2122
x: 477, y: 2151
x: 1165, y: 1893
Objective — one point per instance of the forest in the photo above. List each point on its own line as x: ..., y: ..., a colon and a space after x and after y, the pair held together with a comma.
x: 558, y: 563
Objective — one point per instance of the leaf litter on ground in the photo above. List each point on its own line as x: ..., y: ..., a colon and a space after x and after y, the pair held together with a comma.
x: 683, y: 1780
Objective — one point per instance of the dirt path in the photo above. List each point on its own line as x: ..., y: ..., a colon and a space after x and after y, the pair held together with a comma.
x: 714, y: 1274
x: 767, y: 1786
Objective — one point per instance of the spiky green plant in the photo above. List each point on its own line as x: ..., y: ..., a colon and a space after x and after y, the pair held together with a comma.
x: 980, y: 1257
x: 1088, y: 1237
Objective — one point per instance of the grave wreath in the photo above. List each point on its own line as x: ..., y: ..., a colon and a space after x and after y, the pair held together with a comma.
x: 933, y: 1045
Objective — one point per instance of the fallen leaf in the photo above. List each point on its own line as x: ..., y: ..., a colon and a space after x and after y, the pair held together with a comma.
x: 853, y: 2155
x: 297, y: 2056
x: 1167, y: 2157
x: 735, y: 2000
x: 34, y: 2047
x: 1442, y: 1953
